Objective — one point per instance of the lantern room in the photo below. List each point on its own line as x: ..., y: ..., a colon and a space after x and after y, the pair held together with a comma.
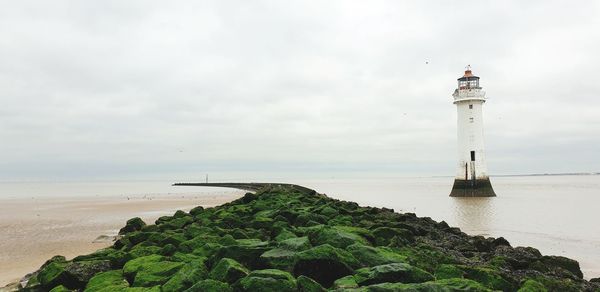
x: 468, y: 81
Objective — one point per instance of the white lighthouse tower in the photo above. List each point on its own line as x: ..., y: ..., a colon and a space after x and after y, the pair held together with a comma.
x: 471, y: 177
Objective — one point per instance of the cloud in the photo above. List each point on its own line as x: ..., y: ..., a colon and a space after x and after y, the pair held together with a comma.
x: 148, y: 88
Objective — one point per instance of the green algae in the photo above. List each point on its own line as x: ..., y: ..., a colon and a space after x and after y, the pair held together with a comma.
x: 286, y: 238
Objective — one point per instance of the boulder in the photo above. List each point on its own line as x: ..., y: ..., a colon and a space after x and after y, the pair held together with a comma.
x: 532, y: 286
x: 306, y: 284
x: 210, y: 285
x: 153, y: 274
x: 279, y: 258
x: 344, y: 283
x: 228, y: 270
x: 384, y: 235
x: 564, y: 263
x: 297, y: 244
x: 269, y: 280
x: 334, y: 237
x: 447, y: 271
x: 107, y: 281
x: 187, y: 276
x: 133, y: 224
x: 325, y: 264
x: 374, y: 256
x: 395, y: 272
x: 81, y: 272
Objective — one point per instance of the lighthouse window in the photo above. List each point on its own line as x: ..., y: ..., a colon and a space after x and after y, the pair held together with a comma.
x: 470, y: 120
x: 470, y: 106
x: 472, y: 155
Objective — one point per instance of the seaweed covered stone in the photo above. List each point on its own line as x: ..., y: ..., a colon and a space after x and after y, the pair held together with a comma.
x: 290, y: 238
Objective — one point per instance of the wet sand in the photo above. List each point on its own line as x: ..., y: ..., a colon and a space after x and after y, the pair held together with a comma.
x: 34, y: 229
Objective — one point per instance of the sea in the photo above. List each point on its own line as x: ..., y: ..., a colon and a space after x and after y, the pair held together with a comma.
x: 557, y: 214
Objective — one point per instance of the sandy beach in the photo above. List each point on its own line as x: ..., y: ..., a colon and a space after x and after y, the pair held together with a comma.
x: 34, y: 229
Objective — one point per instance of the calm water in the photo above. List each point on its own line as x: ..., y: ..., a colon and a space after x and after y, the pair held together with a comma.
x: 557, y: 214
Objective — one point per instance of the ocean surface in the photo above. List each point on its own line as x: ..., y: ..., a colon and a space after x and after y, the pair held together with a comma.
x: 559, y: 215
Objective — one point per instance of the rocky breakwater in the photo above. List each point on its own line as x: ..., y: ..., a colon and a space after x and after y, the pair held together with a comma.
x: 284, y: 238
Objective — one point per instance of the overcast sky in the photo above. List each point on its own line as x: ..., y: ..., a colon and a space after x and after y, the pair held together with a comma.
x: 93, y: 89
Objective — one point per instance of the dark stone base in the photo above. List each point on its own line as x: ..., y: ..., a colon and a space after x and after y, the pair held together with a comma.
x: 470, y: 188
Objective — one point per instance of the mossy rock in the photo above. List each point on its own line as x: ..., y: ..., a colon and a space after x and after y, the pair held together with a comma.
x: 60, y: 288
x: 187, y: 276
x: 133, y: 266
x: 79, y: 273
x: 532, y: 286
x: 210, y: 285
x: 141, y: 250
x: 297, y: 244
x: 285, y: 234
x: 269, y: 280
x: 395, y: 272
x: 489, y: 278
x: 335, y: 237
x: 207, y: 250
x: 325, y: 264
x: 228, y: 270
x: 157, y: 273
x: 133, y: 224
x: 455, y: 284
x: 106, y: 282
x: 384, y: 235
x: 426, y: 257
x: 564, y: 263
x: 446, y: 271
x: 279, y: 258
x: 343, y: 283
x: 374, y: 256
x: 53, y: 275
x: 248, y: 254
x: 306, y: 284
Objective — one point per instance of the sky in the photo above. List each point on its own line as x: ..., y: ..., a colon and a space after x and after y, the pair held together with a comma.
x: 147, y: 89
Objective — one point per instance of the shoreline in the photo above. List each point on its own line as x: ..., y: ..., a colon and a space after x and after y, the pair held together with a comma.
x: 37, y: 228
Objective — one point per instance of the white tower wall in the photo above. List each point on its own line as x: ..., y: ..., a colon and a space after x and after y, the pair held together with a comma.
x: 471, y: 170
x: 470, y: 138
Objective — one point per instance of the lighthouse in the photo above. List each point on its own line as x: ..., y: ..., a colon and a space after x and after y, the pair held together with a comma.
x: 472, y: 178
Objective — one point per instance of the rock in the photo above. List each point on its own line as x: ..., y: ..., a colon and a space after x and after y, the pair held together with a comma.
x: 196, y: 211
x: 297, y: 244
x: 344, y: 283
x: 53, y: 274
x: 269, y: 280
x: 395, y: 272
x: 187, y: 276
x: 489, y: 278
x: 106, y: 282
x: 325, y: 264
x: 446, y: 271
x: 518, y: 257
x: 384, y: 235
x: 374, y: 256
x: 133, y: 266
x: 228, y: 270
x: 152, y: 274
x: 532, y: 286
x: 79, y: 273
x: 334, y: 237
x: 210, y: 285
x: 60, y: 288
x: 563, y: 262
x: 279, y: 258
x: 306, y: 284
x: 133, y: 224
x: 439, y: 285
x: 247, y: 253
